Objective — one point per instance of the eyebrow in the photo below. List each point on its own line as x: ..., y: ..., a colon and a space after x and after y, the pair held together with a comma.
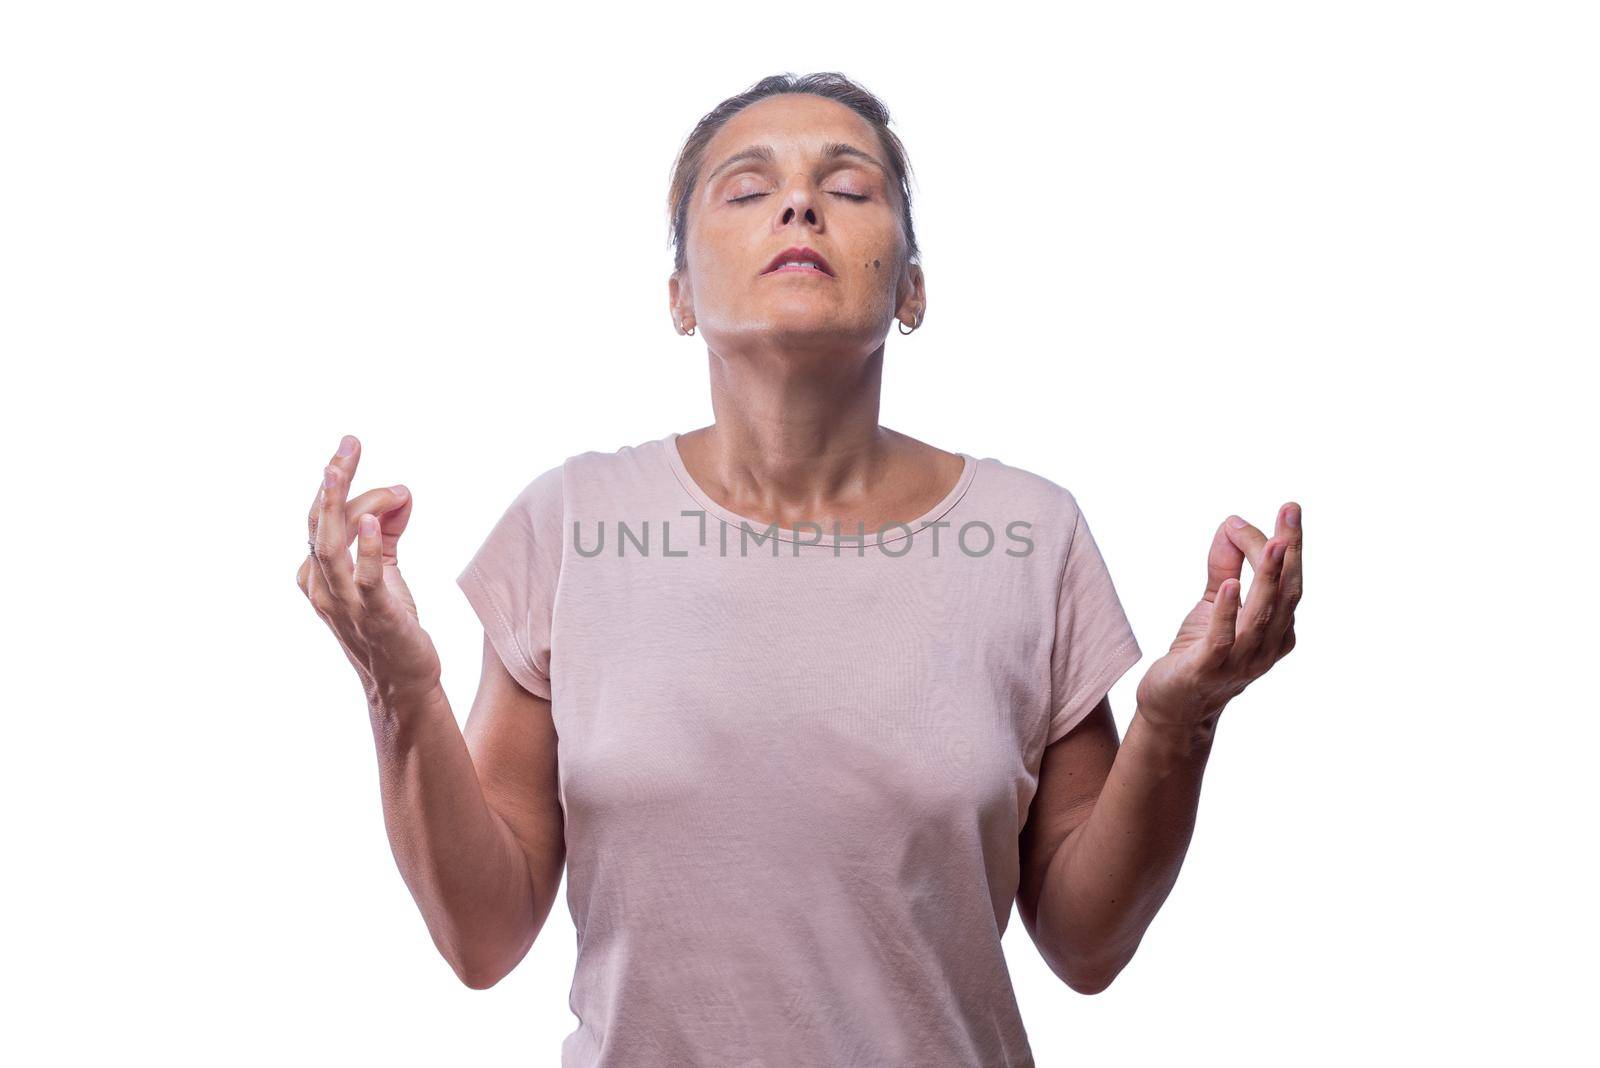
x: 831, y: 150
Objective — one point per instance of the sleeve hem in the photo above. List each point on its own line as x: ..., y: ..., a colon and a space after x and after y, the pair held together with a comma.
x: 501, y: 635
x: 1076, y: 708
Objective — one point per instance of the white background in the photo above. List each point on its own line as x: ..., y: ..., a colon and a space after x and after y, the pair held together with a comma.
x: 1184, y: 259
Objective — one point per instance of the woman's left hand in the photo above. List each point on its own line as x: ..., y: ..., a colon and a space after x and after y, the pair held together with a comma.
x: 1220, y: 649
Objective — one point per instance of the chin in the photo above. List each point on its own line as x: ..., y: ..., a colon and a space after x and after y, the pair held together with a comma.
x: 804, y: 317
x: 798, y: 328
x: 795, y: 326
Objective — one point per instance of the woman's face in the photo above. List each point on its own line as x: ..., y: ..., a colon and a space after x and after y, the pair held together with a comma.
x: 795, y: 170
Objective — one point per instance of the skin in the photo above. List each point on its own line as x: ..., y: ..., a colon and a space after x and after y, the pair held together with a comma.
x: 1111, y: 822
x: 796, y: 361
x: 473, y: 817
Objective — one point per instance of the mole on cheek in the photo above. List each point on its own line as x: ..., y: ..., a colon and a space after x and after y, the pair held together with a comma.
x: 874, y: 265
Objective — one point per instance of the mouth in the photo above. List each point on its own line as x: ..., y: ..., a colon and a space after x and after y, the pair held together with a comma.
x: 799, y: 258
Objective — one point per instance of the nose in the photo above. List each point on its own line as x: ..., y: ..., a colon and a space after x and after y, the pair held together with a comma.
x: 799, y: 203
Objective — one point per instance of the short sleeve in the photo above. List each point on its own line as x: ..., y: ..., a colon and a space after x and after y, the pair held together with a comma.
x: 1094, y: 643
x: 511, y: 581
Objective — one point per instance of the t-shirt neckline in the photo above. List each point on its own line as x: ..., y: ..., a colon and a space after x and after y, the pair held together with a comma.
x: 893, y: 532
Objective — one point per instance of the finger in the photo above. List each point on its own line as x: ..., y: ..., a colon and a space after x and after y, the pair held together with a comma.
x: 332, y: 541
x: 1249, y: 539
x: 1221, y: 632
x: 392, y: 524
x: 1283, y: 608
x: 1261, y: 606
x: 369, y: 565
x: 378, y: 502
x: 314, y: 515
x: 316, y: 590
x: 1290, y: 586
x: 1224, y: 562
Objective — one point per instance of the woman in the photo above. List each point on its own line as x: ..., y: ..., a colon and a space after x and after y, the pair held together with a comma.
x: 803, y: 704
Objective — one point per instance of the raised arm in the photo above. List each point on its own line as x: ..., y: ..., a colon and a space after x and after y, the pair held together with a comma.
x: 473, y: 820
x: 1111, y: 823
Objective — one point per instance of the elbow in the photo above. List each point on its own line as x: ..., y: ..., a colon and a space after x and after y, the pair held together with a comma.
x: 1091, y: 984
x: 478, y: 968
x: 475, y: 975
x: 1094, y: 977
x: 485, y: 965
x: 485, y: 961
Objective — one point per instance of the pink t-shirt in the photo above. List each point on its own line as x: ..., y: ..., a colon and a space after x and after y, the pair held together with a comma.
x: 794, y: 764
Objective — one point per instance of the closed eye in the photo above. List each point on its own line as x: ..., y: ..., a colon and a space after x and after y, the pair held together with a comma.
x: 752, y: 196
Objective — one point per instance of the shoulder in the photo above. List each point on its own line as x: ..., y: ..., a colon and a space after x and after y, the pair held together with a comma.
x: 1002, y: 487
x: 595, y: 481
x: 542, y: 499
x: 640, y: 459
x: 615, y: 479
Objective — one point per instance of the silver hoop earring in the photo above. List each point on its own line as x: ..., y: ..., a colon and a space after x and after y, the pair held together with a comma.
x: 690, y: 332
x: 902, y: 325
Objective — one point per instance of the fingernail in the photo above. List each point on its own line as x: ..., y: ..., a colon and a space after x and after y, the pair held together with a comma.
x: 1277, y: 552
x: 399, y: 490
x: 329, y: 477
x: 347, y: 445
x: 1235, y: 522
x: 1292, y: 518
x: 369, y: 525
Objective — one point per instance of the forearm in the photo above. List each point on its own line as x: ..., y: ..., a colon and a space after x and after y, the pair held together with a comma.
x: 464, y: 868
x: 1112, y: 874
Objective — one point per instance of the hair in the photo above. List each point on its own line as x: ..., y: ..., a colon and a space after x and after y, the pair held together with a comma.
x: 829, y: 84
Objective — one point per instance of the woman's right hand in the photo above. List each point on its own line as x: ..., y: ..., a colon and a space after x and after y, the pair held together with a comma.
x: 367, y: 605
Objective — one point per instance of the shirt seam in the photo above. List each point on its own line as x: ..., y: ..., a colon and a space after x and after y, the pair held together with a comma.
x: 960, y: 492
x: 1129, y: 642
x: 1055, y: 623
x: 502, y: 619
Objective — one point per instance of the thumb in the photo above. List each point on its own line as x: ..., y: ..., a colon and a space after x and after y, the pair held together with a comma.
x: 1222, y: 628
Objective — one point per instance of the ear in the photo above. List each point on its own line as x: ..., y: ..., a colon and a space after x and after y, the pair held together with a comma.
x: 913, y: 296
x: 680, y: 302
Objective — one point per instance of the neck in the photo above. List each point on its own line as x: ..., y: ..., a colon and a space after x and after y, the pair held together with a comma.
x: 791, y: 434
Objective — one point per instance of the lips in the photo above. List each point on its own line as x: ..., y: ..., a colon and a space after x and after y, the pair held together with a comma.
x: 800, y: 254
